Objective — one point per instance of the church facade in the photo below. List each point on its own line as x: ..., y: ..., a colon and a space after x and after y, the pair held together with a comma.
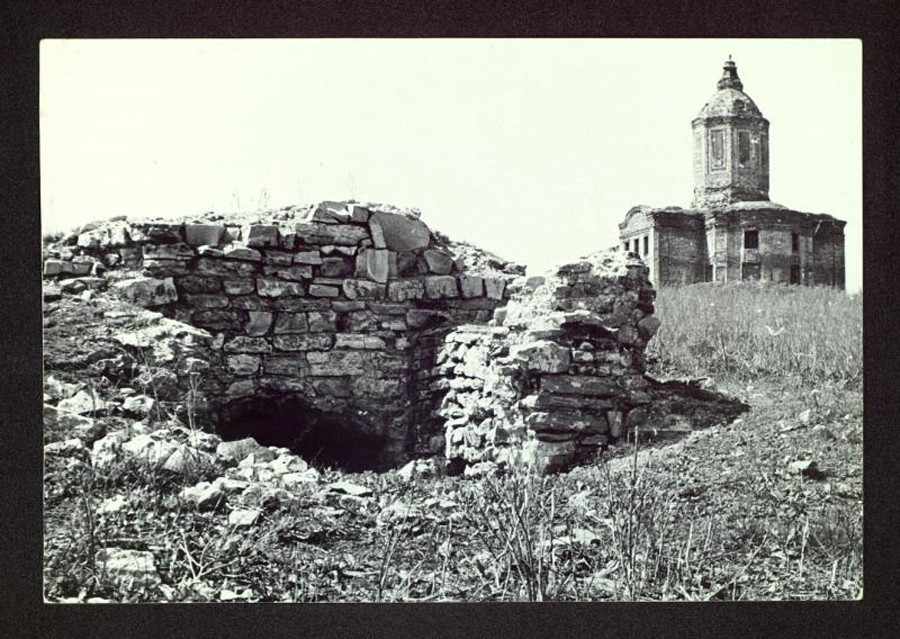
x: 733, y: 231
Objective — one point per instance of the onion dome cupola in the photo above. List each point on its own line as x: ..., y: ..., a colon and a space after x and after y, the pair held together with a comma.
x: 731, y: 146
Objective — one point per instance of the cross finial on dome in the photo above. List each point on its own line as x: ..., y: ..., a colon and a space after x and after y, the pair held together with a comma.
x: 730, y: 79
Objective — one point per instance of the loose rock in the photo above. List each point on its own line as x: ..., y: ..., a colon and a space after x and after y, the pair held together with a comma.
x: 130, y: 568
x: 243, y: 517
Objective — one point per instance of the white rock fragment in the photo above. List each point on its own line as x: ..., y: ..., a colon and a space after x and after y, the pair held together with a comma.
x: 237, y: 450
x: 139, y: 405
x: 418, y: 469
x: 349, y: 488
x: 182, y: 458
x: 81, y: 403
x: 64, y: 448
x: 107, y: 451
x: 204, y: 441
x: 150, y: 450
x: 148, y: 291
x: 204, y: 496
x: 802, y: 466
x: 243, y: 517
x: 542, y: 355
x: 287, y: 464
x: 399, y: 511
x: 292, y: 480
x: 128, y: 567
x: 112, y: 505
x: 61, y: 390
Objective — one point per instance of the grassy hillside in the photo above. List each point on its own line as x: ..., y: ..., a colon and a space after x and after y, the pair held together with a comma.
x: 741, y: 332
x: 768, y: 507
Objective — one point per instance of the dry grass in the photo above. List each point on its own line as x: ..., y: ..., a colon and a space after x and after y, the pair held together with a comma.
x: 722, y: 517
x: 743, y: 331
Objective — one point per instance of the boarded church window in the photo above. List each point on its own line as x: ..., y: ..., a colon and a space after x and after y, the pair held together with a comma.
x: 717, y: 149
x: 743, y: 148
x: 646, y: 245
x: 751, y: 239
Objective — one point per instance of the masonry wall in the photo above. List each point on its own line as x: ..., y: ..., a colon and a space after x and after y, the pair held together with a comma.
x: 558, y: 376
x: 682, y: 252
x: 343, y: 305
x: 686, y: 243
x: 363, y: 322
x: 827, y: 263
x: 819, y: 255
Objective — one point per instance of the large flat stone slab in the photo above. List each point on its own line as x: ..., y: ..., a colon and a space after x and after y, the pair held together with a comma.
x: 200, y: 234
x: 399, y: 233
x: 441, y: 287
x: 374, y: 264
x: 317, y: 233
x: 260, y: 235
x: 579, y: 385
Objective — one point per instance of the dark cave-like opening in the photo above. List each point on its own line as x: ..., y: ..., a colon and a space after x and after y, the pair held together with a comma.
x: 324, y: 439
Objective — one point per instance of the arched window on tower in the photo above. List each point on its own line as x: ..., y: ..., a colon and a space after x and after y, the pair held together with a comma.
x: 743, y: 148
x: 717, y: 149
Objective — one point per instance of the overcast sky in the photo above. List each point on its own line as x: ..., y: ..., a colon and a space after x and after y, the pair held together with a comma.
x: 534, y: 149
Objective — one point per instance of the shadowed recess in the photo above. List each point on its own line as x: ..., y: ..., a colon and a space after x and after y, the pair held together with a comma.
x: 322, y: 438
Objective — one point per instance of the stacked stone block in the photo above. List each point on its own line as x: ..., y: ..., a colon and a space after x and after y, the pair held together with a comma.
x: 344, y: 303
x: 558, y: 376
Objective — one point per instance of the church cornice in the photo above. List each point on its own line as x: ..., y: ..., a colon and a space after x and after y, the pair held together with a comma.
x: 730, y: 119
x: 774, y: 216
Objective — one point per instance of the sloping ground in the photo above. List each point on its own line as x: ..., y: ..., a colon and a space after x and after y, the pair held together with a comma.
x: 775, y: 496
x: 140, y: 506
x: 720, y: 514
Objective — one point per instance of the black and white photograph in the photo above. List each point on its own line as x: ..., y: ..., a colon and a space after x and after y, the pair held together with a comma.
x: 352, y: 320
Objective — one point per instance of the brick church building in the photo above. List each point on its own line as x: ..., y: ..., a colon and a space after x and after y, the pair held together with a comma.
x: 732, y: 230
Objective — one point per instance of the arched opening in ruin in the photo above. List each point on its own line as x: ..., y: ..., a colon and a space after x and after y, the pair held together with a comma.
x: 324, y: 439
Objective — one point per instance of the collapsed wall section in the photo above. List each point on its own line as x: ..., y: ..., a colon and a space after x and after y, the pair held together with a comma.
x: 342, y: 306
x: 558, y: 376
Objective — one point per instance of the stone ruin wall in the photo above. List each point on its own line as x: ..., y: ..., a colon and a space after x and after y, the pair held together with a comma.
x: 344, y: 308
x: 558, y: 376
x: 416, y: 345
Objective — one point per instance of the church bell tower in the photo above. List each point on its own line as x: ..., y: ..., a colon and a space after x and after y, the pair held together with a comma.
x: 731, y: 146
